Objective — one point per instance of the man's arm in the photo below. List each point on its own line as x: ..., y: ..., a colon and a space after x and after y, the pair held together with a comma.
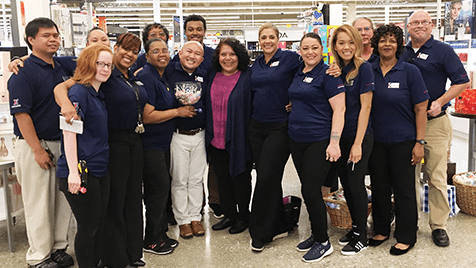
x: 451, y: 93
x: 27, y: 129
x: 61, y: 98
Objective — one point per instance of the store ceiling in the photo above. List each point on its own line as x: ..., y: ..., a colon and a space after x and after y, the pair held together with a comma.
x: 238, y: 14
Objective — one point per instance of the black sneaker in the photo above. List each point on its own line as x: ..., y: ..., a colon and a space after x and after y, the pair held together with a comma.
x: 48, y: 263
x: 162, y: 249
x: 256, y: 245
x: 354, y: 246
x: 306, y: 244
x: 346, y: 238
x: 318, y: 251
x: 172, y: 242
x: 216, y: 209
x: 62, y: 258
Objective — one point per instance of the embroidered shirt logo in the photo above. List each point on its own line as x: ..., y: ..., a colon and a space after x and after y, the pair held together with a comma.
x: 16, y: 103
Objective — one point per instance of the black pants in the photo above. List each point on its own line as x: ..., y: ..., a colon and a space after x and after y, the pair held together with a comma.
x: 352, y: 177
x: 233, y: 191
x: 156, y: 194
x: 270, y: 148
x: 89, y: 210
x: 312, y: 168
x: 124, y: 225
x: 391, y: 170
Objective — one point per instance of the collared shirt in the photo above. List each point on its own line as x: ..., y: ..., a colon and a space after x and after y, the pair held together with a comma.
x: 121, y: 101
x: 362, y: 83
x: 68, y: 62
x: 93, y: 144
x: 310, y: 119
x: 140, y: 62
x: 207, y: 58
x: 437, y: 62
x: 269, y: 86
x: 31, y: 92
x: 395, y: 95
x: 179, y: 78
x: 161, y: 96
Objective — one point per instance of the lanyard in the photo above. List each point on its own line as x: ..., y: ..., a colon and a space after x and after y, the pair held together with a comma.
x: 140, y: 127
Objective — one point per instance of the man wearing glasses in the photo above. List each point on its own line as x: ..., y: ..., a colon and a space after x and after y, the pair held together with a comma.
x: 437, y: 62
x: 365, y: 26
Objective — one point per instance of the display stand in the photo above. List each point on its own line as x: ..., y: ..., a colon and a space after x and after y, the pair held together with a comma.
x: 471, y: 139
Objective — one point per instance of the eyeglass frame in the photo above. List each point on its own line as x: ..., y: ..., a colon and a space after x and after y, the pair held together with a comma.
x: 103, y: 65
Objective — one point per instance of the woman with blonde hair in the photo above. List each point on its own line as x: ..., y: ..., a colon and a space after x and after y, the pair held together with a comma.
x: 94, y: 66
x: 357, y: 139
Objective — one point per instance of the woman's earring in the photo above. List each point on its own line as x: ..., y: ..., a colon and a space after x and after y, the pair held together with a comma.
x: 300, y: 58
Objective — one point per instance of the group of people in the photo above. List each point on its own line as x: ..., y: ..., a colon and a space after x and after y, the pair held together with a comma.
x: 372, y: 110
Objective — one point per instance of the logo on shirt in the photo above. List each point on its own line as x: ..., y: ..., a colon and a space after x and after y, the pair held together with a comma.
x: 422, y: 56
x: 199, y: 79
x: 76, y: 106
x: 340, y: 86
x: 393, y: 85
x: 308, y: 79
x: 274, y: 64
x: 139, y: 83
x: 16, y: 103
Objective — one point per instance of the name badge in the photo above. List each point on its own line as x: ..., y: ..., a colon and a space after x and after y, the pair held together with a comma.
x: 274, y: 64
x: 349, y: 84
x: 139, y: 83
x: 393, y: 85
x: 422, y: 56
x: 308, y: 79
x: 198, y: 78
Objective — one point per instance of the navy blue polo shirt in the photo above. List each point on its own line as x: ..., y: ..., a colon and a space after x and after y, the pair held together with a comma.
x: 178, y: 77
x: 68, y: 62
x: 269, y: 86
x: 121, y: 102
x: 31, y: 92
x: 437, y: 62
x: 362, y: 83
x: 92, y: 144
x: 140, y: 62
x: 207, y: 58
x: 395, y: 95
x: 161, y: 96
x: 310, y: 119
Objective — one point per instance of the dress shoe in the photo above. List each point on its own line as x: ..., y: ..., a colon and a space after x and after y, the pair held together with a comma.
x: 396, y: 251
x: 197, y: 228
x: 440, y: 237
x: 238, y: 227
x: 186, y: 231
x: 223, y: 224
x: 48, y: 263
x: 62, y: 258
x: 375, y: 243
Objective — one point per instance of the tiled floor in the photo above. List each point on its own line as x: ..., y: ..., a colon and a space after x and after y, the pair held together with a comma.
x: 220, y: 249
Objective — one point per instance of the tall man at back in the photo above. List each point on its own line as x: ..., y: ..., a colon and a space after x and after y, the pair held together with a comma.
x: 36, y: 125
x: 437, y: 62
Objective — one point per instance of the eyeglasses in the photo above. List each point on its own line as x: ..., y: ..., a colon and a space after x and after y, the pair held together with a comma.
x: 103, y: 65
x: 423, y: 22
x: 362, y: 29
x: 157, y: 52
x: 156, y: 34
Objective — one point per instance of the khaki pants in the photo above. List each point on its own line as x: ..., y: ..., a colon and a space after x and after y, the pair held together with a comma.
x: 439, y: 134
x: 47, y: 213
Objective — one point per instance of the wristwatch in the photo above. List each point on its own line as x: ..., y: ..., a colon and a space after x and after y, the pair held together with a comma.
x: 422, y: 142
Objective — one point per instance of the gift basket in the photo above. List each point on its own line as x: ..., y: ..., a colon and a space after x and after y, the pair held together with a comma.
x: 338, y: 209
x: 465, y: 184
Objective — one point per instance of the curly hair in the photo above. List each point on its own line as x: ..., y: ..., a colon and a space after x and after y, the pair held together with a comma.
x: 384, y: 30
x: 238, y: 48
x: 86, y: 65
x: 357, y: 40
x: 145, y: 32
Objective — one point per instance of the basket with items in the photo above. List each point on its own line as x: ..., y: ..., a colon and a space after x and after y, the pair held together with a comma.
x: 465, y: 184
x: 339, y: 211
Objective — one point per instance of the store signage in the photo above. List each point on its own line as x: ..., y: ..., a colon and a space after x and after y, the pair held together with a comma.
x: 458, y: 44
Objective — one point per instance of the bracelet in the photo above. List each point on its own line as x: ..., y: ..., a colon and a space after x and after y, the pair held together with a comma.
x: 16, y: 58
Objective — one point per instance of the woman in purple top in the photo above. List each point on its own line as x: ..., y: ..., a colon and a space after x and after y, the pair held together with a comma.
x: 227, y: 96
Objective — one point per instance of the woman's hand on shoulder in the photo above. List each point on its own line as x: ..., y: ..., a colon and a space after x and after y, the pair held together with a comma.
x: 334, y: 70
